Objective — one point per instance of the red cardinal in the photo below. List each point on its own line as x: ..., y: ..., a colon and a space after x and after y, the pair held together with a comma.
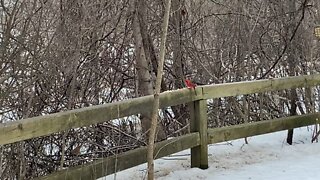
x: 189, y: 84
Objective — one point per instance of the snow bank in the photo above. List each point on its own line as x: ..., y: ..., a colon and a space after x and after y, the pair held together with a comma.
x: 265, y: 157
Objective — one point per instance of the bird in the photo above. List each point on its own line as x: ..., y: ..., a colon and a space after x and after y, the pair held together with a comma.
x: 76, y: 151
x: 189, y: 84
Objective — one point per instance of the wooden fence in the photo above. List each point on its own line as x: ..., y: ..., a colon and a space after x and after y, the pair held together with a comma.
x: 197, y: 140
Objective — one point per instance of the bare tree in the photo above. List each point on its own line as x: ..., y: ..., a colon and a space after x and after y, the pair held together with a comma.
x: 154, y: 115
x: 59, y: 55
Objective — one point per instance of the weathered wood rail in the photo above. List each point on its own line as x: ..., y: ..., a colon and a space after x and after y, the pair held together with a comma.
x: 197, y: 140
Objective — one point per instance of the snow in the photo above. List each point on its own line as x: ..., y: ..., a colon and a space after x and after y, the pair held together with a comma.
x: 265, y: 157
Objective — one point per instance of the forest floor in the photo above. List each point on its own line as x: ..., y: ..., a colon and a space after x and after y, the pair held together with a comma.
x: 265, y: 157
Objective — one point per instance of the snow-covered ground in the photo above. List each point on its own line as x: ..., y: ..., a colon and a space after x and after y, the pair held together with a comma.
x: 265, y: 157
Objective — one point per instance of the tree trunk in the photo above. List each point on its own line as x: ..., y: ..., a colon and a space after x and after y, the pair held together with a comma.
x: 179, y: 111
x: 142, y: 66
x: 177, y: 44
x: 154, y: 116
x: 292, y: 64
x: 143, y: 62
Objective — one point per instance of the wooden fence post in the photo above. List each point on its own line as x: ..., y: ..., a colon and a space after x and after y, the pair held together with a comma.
x: 198, y: 123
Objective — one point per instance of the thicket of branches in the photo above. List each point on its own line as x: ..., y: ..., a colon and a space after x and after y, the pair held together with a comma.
x: 65, y: 54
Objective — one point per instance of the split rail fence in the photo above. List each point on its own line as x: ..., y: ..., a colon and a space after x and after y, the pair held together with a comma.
x: 197, y: 140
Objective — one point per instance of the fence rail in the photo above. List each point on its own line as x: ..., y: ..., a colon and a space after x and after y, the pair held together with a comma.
x: 126, y: 160
x: 45, y: 125
x: 198, y: 139
x: 222, y: 134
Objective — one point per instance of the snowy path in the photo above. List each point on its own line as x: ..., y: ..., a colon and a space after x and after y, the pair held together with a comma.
x: 265, y: 157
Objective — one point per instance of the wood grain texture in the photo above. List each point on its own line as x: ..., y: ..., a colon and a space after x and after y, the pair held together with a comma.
x: 198, y: 123
x: 45, y: 125
x: 216, y: 135
x: 249, y: 87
